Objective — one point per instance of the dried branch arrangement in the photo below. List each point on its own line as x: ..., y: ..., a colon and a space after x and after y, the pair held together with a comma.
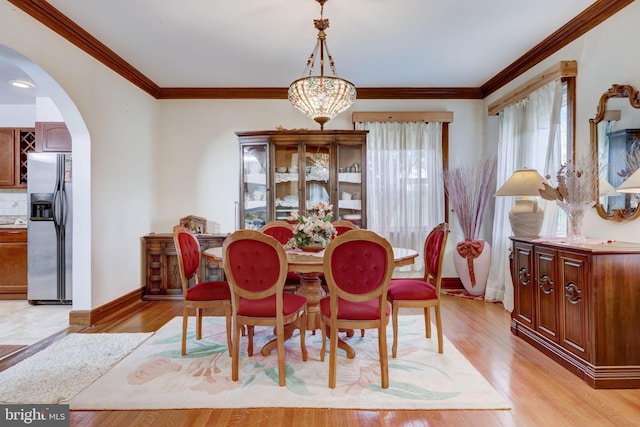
x: 469, y: 189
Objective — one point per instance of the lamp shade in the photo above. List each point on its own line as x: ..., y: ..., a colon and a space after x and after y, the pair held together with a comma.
x: 605, y: 189
x: 631, y: 184
x: 321, y: 98
x: 523, y: 182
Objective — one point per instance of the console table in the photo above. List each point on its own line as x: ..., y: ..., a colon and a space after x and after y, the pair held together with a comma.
x: 580, y: 305
x: 162, y: 273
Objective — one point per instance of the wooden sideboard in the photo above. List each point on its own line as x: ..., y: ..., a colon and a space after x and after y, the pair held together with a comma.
x: 162, y: 273
x: 580, y: 305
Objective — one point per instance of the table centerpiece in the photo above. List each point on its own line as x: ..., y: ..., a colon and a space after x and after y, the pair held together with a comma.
x: 314, y: 231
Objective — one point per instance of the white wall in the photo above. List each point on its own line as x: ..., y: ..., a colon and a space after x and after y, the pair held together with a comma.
x: 605, y: 55
x: 112, y: 124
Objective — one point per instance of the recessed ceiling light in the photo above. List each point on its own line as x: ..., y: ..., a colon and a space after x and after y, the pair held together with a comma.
x: 23, y: 84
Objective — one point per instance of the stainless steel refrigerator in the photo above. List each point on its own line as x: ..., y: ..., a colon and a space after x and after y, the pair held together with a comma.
x: 50, y: 222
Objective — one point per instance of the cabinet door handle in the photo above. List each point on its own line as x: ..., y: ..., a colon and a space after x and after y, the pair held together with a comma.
x: 545, y: 284
x: 523, y: 276
x: 572, y: 293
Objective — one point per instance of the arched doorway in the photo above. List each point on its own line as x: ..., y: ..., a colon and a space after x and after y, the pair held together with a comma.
x: 47, y: 86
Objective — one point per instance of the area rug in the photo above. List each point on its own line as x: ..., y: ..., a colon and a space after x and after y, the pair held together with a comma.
x: 63, y: 369
x: 155, y: 376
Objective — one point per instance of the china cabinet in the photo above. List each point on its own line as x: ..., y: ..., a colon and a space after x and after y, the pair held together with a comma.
x: 580, y: 305
x: 285, y: 171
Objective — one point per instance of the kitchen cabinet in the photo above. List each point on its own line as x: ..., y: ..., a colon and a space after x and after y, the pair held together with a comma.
x: 14, y: 145
x: 161, y: 270
x: 13, y: 263
x: 52, y: 137
x: 580, y: 305
x: 285, y: 171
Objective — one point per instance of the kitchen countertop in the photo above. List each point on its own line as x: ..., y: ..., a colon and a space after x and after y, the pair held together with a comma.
x: 7, y: 221
x: 13, y: 226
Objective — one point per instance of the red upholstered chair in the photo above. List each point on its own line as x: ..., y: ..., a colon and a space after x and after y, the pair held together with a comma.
x: 282, y: 231
x: 424, y: 292
x: 342, y: 226
x: 358, y: 267
x: 256, y: 267
x: 201, y: 295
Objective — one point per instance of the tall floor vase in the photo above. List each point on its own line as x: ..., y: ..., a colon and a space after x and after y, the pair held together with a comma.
x: 472, y: 259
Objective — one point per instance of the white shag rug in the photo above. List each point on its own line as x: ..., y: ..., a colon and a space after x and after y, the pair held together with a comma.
x: 66, y: 367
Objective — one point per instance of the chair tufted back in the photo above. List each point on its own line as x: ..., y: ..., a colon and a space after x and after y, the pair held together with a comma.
x: 280, y: 230
x: 255, y: 265
x: 359, y: 267
x: 434, y: 248
x: 281, y: 234
x: 190, y: 251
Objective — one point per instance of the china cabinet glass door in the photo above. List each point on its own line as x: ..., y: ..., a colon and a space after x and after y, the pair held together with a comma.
x: 350, y: 183
x: 254, y: 173
x: 286, y: 180
x: 316, y: 165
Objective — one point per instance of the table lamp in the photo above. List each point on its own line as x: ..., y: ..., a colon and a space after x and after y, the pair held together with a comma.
x: 631, y: 184
x: 525, y: 217
x: 605, y: 189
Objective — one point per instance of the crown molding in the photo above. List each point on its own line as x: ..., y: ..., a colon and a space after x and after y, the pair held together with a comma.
x: 51, y: 17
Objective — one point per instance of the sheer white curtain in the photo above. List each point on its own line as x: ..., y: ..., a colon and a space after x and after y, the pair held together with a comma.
x: 530, y: 134
x: 405, y: 193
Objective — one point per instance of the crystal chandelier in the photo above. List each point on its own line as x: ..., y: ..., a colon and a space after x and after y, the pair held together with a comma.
x: 321, y: 97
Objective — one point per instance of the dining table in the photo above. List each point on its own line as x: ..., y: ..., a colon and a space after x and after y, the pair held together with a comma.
x: 310, y: 266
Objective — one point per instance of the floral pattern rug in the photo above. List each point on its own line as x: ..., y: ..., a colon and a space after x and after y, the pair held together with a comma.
x: 156, y: 376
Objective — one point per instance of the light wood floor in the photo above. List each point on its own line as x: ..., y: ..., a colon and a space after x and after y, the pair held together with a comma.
x: 541, y: 392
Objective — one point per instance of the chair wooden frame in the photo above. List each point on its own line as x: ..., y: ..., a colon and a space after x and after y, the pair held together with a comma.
x: 298, y: 318
x: 432, y: 277
x: 179, y: 232
x: 336, y: 293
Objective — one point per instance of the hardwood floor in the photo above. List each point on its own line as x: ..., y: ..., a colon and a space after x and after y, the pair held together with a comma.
x: 541, y: 392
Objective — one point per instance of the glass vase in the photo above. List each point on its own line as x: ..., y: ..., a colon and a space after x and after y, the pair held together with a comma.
x: 575, y: 219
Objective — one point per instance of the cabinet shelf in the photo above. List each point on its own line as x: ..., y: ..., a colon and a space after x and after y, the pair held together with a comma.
x: 355, y: 178
x: 256, y: 178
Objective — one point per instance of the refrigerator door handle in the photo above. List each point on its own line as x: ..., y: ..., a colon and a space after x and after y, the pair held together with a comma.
x: 63, y: 204
x: 58, y: 208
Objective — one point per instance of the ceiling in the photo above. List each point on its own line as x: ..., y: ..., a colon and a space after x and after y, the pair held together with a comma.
x: 266, y: 43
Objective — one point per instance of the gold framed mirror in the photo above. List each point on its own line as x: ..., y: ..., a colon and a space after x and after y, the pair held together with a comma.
x: 615, y: 148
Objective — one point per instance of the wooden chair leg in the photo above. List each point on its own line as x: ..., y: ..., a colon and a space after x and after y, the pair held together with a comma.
x: 302, y: 324
x: 384, y: 361
x: 185, y: 320
x: 394, y: 321
x: 323, y: 349
x: 198, y: 323
x: 333, y: 354
x: 250, y: 329
x: 235, y: 345
x: 282, y: 370
x: 227, y: 314
x: 439, y: 326
x: 427, y: 322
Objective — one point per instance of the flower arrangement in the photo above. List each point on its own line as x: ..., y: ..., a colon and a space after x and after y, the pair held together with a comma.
x: 469, y: 189
x: 574, y: 184
x: 314, y: 230
x: 575, y: 193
